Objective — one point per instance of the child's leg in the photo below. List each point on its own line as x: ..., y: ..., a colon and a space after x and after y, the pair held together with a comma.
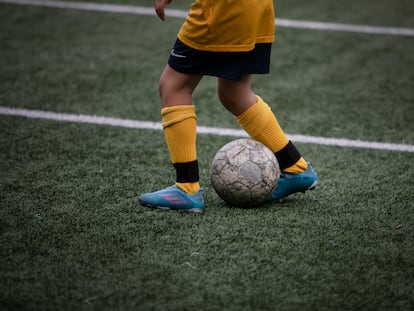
x: 258, y: 120
x: 179, y: 124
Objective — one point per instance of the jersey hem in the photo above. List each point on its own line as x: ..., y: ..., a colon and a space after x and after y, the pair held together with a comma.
x: 224, y: 48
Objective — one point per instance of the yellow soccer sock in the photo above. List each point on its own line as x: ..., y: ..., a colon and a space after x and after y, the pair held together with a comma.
x: 180, y: 130
x: 261, y: 124
x: 180, y: 126
x: 299, y: 167
x: 189, y: 187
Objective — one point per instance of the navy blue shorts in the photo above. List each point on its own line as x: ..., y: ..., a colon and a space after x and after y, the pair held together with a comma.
x: 227, y: 65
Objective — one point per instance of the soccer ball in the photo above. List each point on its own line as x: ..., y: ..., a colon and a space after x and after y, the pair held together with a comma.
x: 244, y: 173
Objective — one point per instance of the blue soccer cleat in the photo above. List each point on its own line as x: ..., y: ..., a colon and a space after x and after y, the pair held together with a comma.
x: 290, y: 183
x: 173, y: 198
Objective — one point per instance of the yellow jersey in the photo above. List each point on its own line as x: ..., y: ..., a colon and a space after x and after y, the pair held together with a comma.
x: 228, y: 25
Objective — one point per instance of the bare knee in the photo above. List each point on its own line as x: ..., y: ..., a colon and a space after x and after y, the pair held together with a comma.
x: 236, y: 96
x: 166, y: 88
x: 176, y: 88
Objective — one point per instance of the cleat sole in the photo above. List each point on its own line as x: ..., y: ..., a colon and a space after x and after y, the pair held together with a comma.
x: 182, y: 210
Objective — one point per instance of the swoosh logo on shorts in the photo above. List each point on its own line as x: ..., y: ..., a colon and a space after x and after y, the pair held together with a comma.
x: 177, y: 55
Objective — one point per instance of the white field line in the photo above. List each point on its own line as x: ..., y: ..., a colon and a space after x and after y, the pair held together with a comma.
x: 139, y: 10
x: 126, y: 123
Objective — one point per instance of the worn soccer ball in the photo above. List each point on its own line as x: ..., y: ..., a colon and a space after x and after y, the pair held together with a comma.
x: 244, y: 173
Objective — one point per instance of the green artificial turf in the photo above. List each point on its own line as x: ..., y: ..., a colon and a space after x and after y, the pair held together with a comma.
x: 72, y: 236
